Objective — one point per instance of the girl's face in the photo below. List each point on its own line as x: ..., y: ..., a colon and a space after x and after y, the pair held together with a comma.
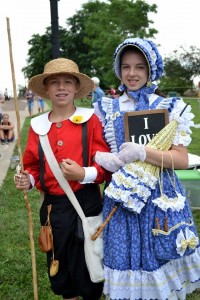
x: 134, y: 70
x: 61, y: 89
x: 5, y: 118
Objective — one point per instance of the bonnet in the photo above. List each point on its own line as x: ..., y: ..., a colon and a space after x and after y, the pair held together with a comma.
x: 150, y: 51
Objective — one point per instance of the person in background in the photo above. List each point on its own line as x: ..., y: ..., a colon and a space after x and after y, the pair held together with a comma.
x: 62, y: 83
x: 112, y: 91
x: 30, y: 96
x: 1, y: 113
x: 97, y: 91
x: 6, y: 97
x: 41, y: 103
x: 6, y: 130
x: 151, y: 244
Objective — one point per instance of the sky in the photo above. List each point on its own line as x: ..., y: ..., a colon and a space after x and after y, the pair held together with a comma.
x: 177, y: 21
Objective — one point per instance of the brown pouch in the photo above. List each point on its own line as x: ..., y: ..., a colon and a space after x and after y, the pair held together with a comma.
x: 45, y: 239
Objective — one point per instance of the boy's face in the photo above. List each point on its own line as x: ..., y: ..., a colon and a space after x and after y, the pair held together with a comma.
x: 61, y: 89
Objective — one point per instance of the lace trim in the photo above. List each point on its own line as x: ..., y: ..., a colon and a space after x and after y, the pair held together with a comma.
x: 175, y: 106
x: 164, y: 202
x: 132, y: 185
x: 107, y: 107
x: 177, y: 278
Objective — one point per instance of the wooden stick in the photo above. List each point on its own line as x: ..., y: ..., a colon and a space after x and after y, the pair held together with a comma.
x: 34, y: 273
x: 101, y: 228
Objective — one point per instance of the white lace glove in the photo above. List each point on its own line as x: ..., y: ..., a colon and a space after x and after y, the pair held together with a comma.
x: 108, y: 161
x: 130, y: 152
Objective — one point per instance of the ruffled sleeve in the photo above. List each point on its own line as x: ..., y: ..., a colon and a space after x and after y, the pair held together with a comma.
x: 106, y: 115
x: 175, y: 106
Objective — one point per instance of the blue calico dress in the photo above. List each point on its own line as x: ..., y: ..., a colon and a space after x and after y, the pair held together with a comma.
x: 151, y: 245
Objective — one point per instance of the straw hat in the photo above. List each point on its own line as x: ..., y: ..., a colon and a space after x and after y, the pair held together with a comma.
x: 60, y: 66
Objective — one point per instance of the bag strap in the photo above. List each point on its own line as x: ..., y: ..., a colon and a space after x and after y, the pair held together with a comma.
x: 58, y: 174
x: 85, y: 156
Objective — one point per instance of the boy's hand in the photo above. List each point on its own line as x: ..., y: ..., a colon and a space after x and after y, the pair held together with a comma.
x: 71, y: 170
x: 22, y: 180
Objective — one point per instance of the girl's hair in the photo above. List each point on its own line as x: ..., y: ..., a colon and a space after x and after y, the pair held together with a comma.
x: 5, y: 115
x: 135, y: 50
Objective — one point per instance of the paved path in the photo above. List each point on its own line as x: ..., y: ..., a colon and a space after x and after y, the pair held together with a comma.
x: 6, y: 151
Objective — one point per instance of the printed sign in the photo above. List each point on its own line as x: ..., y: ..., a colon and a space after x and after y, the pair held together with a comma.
x: 142, y: 126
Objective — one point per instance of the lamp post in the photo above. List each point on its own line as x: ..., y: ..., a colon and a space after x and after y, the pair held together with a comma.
x: 55, y: 29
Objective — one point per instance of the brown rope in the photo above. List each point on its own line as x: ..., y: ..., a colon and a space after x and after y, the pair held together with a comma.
x: 34, y: 273
x: 101, y: 228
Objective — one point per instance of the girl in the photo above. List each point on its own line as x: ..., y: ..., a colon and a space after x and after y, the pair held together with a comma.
x: 151, y: 246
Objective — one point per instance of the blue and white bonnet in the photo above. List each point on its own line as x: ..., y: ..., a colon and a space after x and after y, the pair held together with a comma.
x: 150, y: 51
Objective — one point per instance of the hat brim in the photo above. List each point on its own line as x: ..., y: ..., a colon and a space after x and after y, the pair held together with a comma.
x: 36, y: 84
x: 118, y: 57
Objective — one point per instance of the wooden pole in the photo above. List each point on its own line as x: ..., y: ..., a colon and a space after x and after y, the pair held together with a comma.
x: 34, y: 273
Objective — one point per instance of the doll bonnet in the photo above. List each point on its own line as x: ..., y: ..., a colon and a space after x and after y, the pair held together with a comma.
x: 150, y: 51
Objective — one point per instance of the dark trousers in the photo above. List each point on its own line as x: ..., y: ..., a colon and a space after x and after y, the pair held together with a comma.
x: 72, y: 278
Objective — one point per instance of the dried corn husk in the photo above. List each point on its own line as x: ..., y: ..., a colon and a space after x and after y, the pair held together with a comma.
x: 161, y: 141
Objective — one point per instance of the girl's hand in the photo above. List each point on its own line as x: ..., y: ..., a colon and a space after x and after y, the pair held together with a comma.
x: 130, y: 152
x: 108, y: 161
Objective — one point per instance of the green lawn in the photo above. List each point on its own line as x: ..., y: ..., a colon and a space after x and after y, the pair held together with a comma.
x: 15, y: 256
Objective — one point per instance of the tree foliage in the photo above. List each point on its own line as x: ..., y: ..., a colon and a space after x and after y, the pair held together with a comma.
x: 191, y: 60
x: 91, y: 36
x: 180, y: 70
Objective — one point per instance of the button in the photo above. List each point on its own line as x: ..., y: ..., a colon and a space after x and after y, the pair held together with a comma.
x: 60, y: 143
x: 58, y: 125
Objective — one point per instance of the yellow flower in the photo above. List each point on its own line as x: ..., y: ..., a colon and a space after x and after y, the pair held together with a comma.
x: 77, y: 119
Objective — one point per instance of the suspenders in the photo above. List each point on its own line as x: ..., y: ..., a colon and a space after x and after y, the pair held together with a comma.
x: 85, y: 156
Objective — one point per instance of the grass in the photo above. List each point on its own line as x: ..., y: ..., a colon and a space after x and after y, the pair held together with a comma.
x: 15, y: 256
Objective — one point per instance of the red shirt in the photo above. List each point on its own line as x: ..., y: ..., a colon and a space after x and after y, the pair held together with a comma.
x: 66, y: 142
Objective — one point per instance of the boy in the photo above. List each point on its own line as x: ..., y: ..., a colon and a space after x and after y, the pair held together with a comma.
x: 61, y: 82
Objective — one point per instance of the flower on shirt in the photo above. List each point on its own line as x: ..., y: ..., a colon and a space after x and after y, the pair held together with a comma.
x: 77, y: 119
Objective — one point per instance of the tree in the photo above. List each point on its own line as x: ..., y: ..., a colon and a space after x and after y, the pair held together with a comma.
x: 91, y: 36
x: 190, y: 59
x: 180, y: 70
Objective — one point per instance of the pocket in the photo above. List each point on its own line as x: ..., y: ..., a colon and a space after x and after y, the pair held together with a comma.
x: 180, y: 240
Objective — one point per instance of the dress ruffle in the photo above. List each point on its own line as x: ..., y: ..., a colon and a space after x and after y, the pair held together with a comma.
x: 132, y: 185
x: 106, y: 110
x: 170, y: 281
